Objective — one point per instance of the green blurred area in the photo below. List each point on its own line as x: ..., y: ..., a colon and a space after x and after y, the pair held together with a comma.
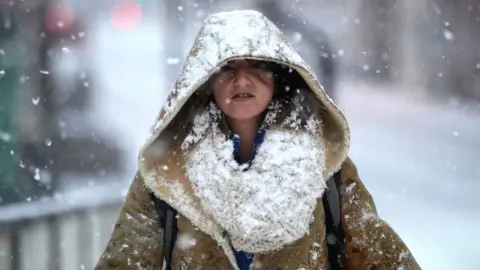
x: 9, y: 124
x: 9, y: 89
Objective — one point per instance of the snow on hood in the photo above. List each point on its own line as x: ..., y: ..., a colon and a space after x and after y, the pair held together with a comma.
x: 241, y: 34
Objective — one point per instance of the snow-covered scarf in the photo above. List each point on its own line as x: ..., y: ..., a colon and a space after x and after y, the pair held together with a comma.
x: 270, y: 204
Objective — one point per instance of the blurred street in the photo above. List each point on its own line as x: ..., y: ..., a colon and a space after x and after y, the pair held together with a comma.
x: 420, y: 162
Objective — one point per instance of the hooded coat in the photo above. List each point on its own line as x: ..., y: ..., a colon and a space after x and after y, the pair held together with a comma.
x: 136, y: 241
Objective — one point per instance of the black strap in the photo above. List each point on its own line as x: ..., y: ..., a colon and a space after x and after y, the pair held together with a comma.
x: 331, y: 203
x: 335, y: 236
x: 167, y: 214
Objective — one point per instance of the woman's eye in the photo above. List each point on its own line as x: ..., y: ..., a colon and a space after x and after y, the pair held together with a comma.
x: 226, y: 68
x: 225, y: 71
x: 260, y: 65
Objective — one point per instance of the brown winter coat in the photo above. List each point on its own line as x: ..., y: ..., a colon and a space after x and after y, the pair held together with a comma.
x: 370, y: 242
x: 136, y: 242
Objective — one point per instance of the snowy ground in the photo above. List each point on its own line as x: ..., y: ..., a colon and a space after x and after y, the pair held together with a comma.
x: 421, y: 164
x: 419, y: 161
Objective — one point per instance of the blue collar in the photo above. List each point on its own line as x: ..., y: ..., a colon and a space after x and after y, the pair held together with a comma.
x: 244, y: 259
x: 256, y: 143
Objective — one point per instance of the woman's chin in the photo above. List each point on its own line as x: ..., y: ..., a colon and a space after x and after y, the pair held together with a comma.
x: 244, y: 113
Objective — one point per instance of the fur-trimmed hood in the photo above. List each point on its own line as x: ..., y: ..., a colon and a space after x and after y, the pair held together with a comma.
x: 227, y: 36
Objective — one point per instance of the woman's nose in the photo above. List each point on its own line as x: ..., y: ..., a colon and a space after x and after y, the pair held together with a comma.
x: 242, y: 78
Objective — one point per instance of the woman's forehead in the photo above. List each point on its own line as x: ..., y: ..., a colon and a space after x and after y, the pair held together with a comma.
x: 243, y: 61
x: 251, y: 63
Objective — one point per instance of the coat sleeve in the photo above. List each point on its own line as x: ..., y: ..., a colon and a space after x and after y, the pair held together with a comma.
x: 370, y: 242
x: 136, y: 241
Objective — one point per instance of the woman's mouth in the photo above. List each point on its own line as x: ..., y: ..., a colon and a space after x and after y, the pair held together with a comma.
x: 241, y: 96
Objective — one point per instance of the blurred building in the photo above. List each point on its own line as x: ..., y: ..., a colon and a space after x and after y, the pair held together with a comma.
x: 431, y: 46
x: 47, y: 142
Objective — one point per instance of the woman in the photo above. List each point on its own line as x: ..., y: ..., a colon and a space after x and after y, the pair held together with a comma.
x: 242, y: 150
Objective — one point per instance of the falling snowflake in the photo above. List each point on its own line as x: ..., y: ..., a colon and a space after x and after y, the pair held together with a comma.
x: 448, y: 35
x: 5, y: 136
x: 48, y: 142
x: 172, y: 61
x: 23, y: 79
x: 35, y: 100
x: 297, y: 37
x: 36, y: 176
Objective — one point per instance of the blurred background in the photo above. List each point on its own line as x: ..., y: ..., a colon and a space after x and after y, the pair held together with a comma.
x: 81, y: 83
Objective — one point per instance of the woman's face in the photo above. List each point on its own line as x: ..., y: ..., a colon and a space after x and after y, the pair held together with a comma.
x: 243, y: 89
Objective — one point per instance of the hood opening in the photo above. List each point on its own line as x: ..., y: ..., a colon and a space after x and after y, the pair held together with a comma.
x: 240, y: 34
x: 292, y: 92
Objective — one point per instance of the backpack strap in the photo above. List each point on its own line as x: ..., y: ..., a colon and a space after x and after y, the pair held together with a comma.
x: 335, y: 237
x: 166, y: 215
